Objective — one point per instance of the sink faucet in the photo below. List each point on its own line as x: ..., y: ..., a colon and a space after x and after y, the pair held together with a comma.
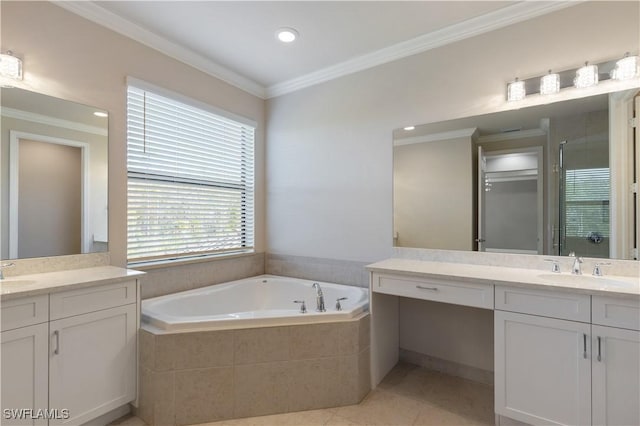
x: 576, y: 268
x: 2, y: 266
x: 319, y: 298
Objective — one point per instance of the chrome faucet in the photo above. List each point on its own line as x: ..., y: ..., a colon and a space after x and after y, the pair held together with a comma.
x: 576, y: 268
x: 319, y: 298
x: 2, y: 266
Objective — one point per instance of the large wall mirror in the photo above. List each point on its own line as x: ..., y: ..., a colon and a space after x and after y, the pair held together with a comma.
x: 53, y: 176
x: 536, y: 180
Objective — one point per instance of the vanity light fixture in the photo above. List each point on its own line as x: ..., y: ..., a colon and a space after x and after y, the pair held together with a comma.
x: 626, y: 68
x: 10, y: 66
x: 586, y: 76
x: 287, y: 35
x: 516, y: 91
x: 409, y: 128
x: 100, y: 114
x: 550, y: 83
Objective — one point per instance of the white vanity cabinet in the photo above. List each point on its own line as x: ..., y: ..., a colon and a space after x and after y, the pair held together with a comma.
x: 566, y: 371
x: 25, y: 343
x: 542, y: 369
x: 93, y: 355
x: 70, y: 351
x: 616, y: 361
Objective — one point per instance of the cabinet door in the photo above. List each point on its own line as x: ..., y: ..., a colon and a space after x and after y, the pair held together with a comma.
x: 542, y: 369
x: 616, y: 376
x: 24, y: 374
x: 92, y: 363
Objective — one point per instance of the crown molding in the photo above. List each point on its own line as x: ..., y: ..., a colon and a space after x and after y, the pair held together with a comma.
x: 435, y: 137
x: 509, y: 15
x: 91, y: 11
x: 482, y: 24
x: 51, y: 121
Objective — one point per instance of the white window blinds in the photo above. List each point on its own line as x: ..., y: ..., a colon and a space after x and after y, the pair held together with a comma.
x: 587, y: 202
x: 190, y: 180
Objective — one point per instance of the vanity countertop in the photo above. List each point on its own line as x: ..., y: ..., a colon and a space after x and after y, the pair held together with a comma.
x: 52, y: 282
x: 499, y: 275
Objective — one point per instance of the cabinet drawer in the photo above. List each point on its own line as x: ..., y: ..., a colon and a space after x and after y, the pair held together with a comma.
x: 546, y: 303
x: 459, y: 293
x: 90, y: 299
x: 25, y: 311
x: 617, y: 311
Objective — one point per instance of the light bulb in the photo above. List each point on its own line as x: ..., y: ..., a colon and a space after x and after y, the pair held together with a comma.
x: 586, y: 76
x: 516, y: 91
x: 550, y: 84
x: 626, y: 68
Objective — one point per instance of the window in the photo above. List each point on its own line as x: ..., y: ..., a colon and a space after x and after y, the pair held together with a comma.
x: 587, y: 202
x: 190, y: 178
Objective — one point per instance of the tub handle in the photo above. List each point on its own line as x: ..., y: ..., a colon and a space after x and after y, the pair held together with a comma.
x: 338, y: 305
x: 303, y: 306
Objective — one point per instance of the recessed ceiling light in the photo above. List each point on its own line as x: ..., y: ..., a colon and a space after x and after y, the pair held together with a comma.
x: 409, y: 128
x: 286, y: 35
x: 100, y: 114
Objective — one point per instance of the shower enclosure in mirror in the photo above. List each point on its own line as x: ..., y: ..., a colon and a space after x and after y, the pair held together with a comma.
x: 584, y: 186
x: 53, y: 176
x: 498, y: 183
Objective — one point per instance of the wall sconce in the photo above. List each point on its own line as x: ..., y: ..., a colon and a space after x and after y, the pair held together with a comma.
x: 10, y: 66
x: 586, y: 76
x: 626, y: 68
x: 550, y: 83
x: 516, y: 91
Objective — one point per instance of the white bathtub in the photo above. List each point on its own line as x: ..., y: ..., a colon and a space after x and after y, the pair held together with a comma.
x: 262, y: 301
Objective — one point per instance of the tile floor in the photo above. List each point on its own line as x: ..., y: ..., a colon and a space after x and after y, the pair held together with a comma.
x: 409, y: 395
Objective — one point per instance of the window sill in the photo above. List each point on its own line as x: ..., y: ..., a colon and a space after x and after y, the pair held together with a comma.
x: 167, y: 263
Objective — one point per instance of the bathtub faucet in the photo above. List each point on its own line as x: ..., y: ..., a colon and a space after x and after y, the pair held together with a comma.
x: 319, y: 298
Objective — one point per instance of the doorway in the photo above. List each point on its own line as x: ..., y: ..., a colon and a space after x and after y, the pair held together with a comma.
x: 47, y: 196
x: 510, y: 201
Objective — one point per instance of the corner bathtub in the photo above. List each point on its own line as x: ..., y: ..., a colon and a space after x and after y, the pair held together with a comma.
x: 262, y: 301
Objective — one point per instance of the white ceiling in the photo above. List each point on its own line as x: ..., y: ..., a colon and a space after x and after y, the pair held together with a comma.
x: 235, y: 40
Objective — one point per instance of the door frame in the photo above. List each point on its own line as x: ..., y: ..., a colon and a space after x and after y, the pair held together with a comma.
x: 539, y: 151
x: 14, y: 157
x: 621, y: 202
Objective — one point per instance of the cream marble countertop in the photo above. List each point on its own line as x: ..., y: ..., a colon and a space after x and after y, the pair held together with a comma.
x: 52, y: 282
x: 500, y: 275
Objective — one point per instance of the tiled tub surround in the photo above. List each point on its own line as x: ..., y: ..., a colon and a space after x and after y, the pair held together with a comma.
x: 331, y: 270
x: 171, y: 278
x: 204, y: 376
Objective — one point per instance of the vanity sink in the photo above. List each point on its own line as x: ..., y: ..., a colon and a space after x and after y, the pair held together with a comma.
x: 589, y: 280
